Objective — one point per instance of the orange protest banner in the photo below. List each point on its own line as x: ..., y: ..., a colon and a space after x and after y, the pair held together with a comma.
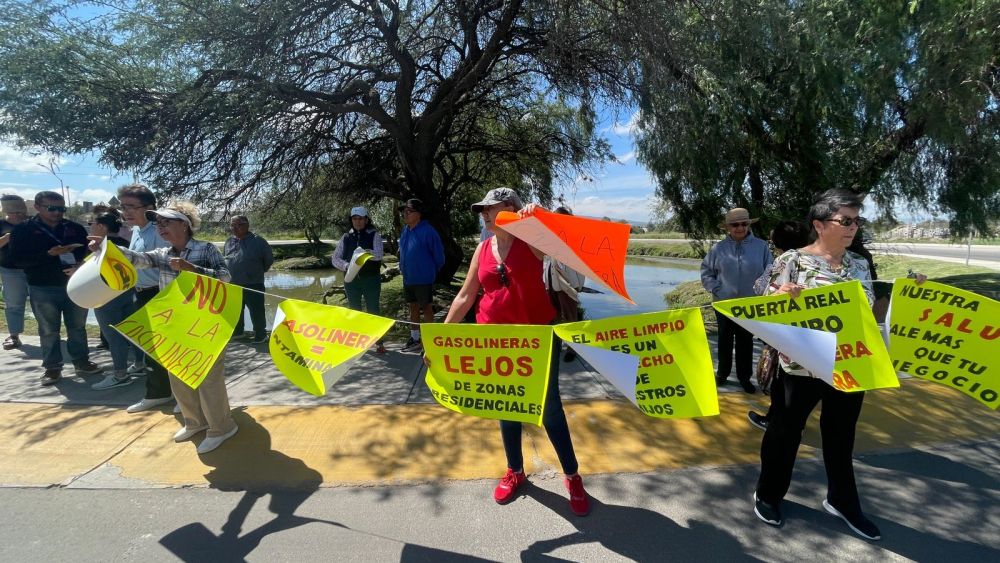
x: 592, y: 247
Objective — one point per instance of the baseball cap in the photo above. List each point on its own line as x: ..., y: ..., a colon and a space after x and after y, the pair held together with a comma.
x: 359, y: 212
x: 498, y: 195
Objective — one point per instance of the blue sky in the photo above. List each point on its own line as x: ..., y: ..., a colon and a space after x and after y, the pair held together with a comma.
x: 621, y: 190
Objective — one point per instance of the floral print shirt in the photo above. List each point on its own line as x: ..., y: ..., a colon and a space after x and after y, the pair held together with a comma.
x: 809, y: 271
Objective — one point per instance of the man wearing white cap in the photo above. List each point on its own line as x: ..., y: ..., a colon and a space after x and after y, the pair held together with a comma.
x: 729, y: 271
x: 248, y: 257
x: 366, y: 285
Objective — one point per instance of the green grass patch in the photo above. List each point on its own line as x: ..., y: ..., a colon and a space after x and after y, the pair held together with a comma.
x: 679, y: 249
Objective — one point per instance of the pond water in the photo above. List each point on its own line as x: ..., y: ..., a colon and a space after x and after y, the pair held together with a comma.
x: 647, y: 280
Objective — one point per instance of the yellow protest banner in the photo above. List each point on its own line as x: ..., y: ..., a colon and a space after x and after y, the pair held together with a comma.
x: 673, y: 378
x: 187, y: 325
x: 312, y: 344
x: 490, y: 371
x: 948, y: 335
x: 828, y: 330
x: 116, y: 270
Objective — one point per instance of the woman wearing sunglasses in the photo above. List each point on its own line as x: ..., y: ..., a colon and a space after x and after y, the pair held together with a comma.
x: 509, y: 272
x: 205, y: 409
x: 834, y: 219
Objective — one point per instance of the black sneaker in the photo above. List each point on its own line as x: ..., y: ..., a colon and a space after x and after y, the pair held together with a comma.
x: 260, y: 339
x: 412, y: 344
x: 768, y: 513
x: 87, y: 367
x: 857, y: 523
x: 757, y: 420
x: 748, y: 387
x: 720, y: 381
x: 51, y: 377
x: 570, y: 355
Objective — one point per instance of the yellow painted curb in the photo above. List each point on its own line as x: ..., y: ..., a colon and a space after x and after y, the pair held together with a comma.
x: 308, y: 447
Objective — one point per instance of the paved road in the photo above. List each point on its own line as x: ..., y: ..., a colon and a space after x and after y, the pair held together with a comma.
x: 375, y: 472
x: 932, y: 504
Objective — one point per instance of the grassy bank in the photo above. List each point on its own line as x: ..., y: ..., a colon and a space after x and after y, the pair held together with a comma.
x: 978, y: 280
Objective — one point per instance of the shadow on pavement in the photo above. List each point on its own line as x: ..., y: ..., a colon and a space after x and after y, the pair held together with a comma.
x: 287, y: 480
x: 636, y: 533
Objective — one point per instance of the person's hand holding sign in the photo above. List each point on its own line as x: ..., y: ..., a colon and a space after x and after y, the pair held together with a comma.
x: 180, y: 264
x: 792, y: 289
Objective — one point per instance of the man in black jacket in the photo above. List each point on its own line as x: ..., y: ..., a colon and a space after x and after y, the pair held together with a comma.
x: 49, y: 248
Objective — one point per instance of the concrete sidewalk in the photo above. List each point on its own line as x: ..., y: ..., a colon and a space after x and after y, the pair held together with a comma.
x: 379, y: 425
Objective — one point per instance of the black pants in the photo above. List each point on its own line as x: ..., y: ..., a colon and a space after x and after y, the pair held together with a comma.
x: 157, y: 380
x: 255, y: 302
x: 837, y: 422
x: 730, y: 332
x: 777, y: 395
x: 553, y: 419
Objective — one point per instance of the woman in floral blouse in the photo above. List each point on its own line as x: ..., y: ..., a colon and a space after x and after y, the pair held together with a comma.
x: 833, y: 219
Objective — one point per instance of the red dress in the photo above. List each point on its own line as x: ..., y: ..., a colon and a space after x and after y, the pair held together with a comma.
x: 524, y: 299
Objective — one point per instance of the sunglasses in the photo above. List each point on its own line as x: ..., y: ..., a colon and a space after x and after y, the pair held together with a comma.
x: 501, y: 270
x: 740, y: 224
x: 56, y: 208
x: 164, y: 221
x: 849, y: 221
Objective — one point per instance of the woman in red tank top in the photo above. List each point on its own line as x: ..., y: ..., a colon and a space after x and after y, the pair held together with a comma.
x: 509, y: 272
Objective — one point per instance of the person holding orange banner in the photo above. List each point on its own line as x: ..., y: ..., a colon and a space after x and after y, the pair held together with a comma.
x: 509, y: 272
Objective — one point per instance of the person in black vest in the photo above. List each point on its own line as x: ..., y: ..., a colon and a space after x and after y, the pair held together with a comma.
x: 367, y: 284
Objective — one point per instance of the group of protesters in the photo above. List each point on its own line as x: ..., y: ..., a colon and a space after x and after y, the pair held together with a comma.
x: 508, y: 282
x: 41, y: 253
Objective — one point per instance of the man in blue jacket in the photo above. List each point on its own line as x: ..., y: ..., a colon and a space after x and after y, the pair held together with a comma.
x: 421, y: 255
x: 727, y: 272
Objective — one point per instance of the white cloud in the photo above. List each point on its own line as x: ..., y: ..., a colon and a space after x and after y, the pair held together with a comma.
x: 628, y: 128
x: 626, y: 158
x: 632, y: 208
x: 17, y: 160
x: 92, y: 195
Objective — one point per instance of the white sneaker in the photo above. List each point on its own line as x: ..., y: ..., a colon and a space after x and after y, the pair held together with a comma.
x: 187, y: 432
x: 209, y: 444
x: 136, y: 369
x: 110, y: 381
x: 177, y: 408
x: 147, y: 404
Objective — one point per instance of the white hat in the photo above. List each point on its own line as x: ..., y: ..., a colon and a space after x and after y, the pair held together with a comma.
x: 359, y: 212
x: 167, y: 213
x: 358, y: 259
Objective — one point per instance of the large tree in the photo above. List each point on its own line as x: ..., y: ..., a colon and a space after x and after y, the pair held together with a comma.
x: 764, y: 104
x: 223, y: 99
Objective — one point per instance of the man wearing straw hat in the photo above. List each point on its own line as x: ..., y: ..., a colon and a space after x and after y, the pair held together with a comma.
x: 728, y: 272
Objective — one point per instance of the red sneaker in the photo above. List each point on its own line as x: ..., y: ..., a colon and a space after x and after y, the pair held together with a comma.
x: 578, y: 501
x: 508, y: 484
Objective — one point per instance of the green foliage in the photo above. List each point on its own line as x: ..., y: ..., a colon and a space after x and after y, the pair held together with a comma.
x: 764, y: 104
x: 249, y: 103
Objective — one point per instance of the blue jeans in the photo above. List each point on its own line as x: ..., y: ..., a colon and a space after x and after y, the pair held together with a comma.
x: 15, y: 295
x: 113, y: 312
x: 49, y: 303
x: 553, y: 419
